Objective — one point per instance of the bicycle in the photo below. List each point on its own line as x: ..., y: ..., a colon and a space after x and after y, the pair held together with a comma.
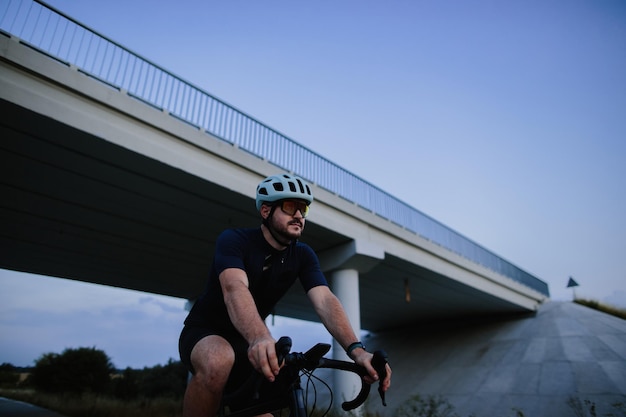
x: 257, y: 395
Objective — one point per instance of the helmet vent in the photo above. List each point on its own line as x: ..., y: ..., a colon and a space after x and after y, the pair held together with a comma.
x: 278, y: 186
x: 301, y: 186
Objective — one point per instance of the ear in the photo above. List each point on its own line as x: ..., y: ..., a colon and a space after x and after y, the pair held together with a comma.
x: 265, y: 211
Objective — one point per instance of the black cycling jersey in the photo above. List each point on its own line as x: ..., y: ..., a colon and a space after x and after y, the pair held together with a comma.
x: 270, y: 274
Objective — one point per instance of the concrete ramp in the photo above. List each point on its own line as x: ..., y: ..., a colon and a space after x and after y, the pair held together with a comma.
x: 533, y: 365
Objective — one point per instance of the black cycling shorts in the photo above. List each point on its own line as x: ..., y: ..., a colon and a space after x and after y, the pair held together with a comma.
x: 242, y: 369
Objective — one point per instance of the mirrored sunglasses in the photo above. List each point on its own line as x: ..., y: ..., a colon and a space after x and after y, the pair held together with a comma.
x: 290, y: 207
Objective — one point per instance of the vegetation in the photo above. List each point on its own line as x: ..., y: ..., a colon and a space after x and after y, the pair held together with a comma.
x: 437, y: 406
x: 83, y: 382
x: 74, y: 371
x: 596, y: 305
x: 9, y: 376
x: 587, y: 408
x: 92, y: 405
x: 431, y: 406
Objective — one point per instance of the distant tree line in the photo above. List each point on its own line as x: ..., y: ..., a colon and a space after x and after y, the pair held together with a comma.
x: 9, y: 375
x: 89, y: 370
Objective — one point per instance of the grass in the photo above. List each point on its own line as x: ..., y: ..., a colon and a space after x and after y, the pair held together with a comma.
x: 587, y: 408
x: 90, y: 405
x: 605, y: 308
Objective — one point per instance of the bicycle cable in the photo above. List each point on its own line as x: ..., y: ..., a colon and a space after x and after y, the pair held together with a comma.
x: 311, y: 378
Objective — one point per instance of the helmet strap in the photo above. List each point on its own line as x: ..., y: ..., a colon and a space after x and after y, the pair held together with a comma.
x: 267, y: 224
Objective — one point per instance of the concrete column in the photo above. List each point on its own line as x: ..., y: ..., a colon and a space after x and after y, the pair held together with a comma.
x: 345, y: 285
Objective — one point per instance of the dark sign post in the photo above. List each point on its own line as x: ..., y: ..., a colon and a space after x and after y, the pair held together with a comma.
x: 572, y: 284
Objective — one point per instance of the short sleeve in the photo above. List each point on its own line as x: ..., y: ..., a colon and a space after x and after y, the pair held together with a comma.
x: 311, y: 274
x: 229, y: 251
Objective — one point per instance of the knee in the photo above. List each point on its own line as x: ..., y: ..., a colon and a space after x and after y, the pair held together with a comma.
x: 213, y: 376
x: 212, y: 360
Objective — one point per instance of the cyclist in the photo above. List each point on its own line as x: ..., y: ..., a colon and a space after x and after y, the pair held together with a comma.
x: 225, y: 337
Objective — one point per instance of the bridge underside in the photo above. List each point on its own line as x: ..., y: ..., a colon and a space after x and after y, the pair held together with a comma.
x: 78, y: 207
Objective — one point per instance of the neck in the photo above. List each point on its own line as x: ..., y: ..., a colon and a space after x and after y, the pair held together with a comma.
x: 272, y: 239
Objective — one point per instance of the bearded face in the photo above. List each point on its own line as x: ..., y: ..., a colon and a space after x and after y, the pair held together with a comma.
x: 286, y: 226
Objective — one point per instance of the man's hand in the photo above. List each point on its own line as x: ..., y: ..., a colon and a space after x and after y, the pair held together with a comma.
x: 364, y: 358
x: 262, y: 356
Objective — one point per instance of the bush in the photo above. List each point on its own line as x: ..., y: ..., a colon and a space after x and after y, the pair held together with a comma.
x: 168, y: 380
x: 126, y: 385
x: 605, y: 308
x: 432, y: 406
x: 160, y: 381
x: 74, y: 371
x: 9, y: 377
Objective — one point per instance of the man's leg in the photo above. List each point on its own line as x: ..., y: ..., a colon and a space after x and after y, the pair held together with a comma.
x: 212, y: 359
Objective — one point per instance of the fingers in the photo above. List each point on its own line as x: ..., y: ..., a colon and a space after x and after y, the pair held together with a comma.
x: 262, y: 355
x: 386, y: 383
x: 372, y: 376
x: 365, y: 360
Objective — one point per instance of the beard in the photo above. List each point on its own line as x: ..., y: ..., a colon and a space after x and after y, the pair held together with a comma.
x: 283, y: 230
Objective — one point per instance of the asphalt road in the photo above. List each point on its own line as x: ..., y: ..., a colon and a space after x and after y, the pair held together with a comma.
x: 12, y: 408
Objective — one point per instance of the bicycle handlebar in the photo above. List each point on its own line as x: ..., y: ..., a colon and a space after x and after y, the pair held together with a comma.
x: 351, y: 367
x: 314, y: 359
x: 379, y: 362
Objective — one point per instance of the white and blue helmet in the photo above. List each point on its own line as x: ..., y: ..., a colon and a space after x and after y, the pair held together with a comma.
x: 282, y: 187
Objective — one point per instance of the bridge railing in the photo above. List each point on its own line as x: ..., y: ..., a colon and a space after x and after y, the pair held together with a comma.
x: 59, y: 36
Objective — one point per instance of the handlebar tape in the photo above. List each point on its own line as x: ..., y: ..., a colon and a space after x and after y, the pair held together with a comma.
x: 283, y: 347
x: 379, y: 362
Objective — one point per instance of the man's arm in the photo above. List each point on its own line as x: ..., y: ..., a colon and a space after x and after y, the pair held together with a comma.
x: 244, y: 315
x: 333, y: 316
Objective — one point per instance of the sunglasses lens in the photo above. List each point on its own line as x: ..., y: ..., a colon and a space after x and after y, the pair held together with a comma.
x: 291, y: 207
x: 304, y: 209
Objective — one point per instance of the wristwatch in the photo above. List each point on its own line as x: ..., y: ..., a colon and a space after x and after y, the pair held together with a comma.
x: 353, y: 346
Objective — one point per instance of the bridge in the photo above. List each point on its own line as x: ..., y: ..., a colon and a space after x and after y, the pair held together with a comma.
x: 117, y: 172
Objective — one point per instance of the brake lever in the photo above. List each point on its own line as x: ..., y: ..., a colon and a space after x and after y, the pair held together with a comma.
x: 283, y: 347
x: 379, y: 362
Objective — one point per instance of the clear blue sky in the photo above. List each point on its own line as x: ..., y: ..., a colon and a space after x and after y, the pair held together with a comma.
x: 503, y: 120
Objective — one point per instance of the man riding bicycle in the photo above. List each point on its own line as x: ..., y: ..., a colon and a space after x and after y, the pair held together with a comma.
x: 225, y: 338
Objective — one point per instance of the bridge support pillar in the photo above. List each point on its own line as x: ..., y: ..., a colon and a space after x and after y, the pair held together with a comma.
x: 343, y: 264
x: 345, y: 285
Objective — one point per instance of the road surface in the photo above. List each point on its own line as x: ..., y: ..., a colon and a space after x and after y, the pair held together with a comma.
x: 12, y: 408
